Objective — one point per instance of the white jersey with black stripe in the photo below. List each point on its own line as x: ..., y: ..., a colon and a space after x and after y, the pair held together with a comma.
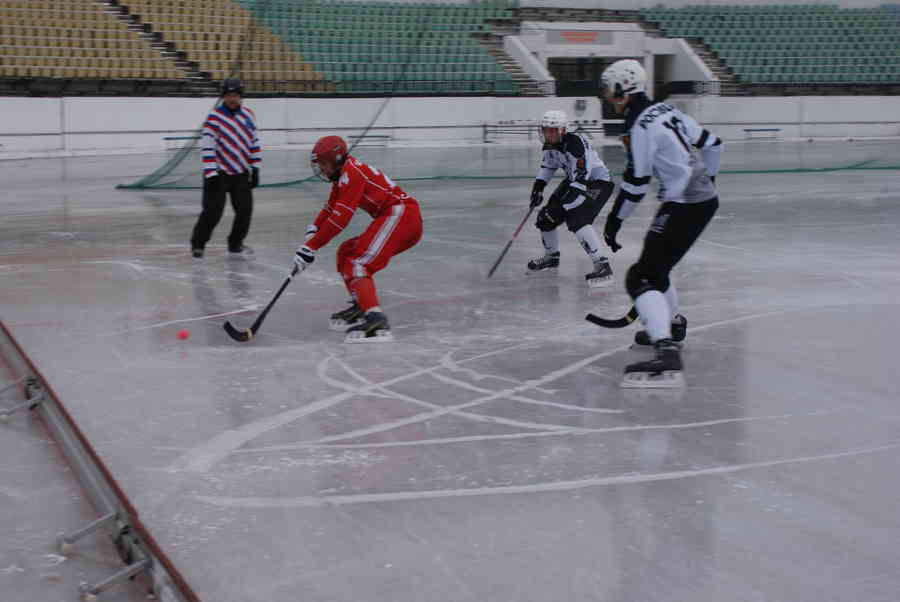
x: 670, y: 145
x: 575, y: 155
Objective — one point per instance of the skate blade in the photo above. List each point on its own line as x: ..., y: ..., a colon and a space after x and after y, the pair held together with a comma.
x: 639, y: 347
x: 668, y: 379
x: 381, y: 336
x: 341, y: 325
x: 546, y: 272
x: 657, y: 395
x: 599, y: 282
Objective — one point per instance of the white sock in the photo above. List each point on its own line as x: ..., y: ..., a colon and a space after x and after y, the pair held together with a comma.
x: 590, y: 242
x: 376, y: 308
x: 551, y: 241
x: 672, y: 298
x: 654, y: 311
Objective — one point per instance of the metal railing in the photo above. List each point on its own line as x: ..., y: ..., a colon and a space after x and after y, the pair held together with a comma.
x: 138, y: 550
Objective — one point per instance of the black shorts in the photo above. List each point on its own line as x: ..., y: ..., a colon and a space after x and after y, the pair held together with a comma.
x: 675, y: 228
x: 554, y: 214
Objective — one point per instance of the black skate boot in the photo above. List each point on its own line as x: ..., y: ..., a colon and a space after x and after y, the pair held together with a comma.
x: 679, y: 331
x: 374, y: 328
x: 239, y: 252
x: 545, y: 262
x: 663, y: 372
x: 347, y: 317
x: 601, y: 275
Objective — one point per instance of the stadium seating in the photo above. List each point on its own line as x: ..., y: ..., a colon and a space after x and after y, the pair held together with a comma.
x: 282, y: 46
x: 74, y: 39
x: 793, y: 44
x: 379, y: 47
x: 221, y: 35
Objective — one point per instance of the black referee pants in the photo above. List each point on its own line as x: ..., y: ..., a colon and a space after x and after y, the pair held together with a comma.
x: 214, y: 190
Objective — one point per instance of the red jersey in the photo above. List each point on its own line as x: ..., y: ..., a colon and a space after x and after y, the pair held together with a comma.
x: 359, y: 185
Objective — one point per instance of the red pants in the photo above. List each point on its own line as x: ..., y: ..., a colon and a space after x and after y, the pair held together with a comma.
x: 360, y: 257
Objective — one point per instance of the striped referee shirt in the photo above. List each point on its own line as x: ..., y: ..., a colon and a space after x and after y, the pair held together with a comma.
x: 230, y: 142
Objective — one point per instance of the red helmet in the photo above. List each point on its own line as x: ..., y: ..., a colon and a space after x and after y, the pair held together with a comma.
x: 331, y: 150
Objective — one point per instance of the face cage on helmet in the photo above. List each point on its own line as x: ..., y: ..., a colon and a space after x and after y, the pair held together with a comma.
x: 614, y: 91
x: 317, y: 170
x: 543, y: 137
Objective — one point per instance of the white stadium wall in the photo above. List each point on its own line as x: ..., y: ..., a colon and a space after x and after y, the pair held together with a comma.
x: 34, y: 126
x: 799, y: 116
x: 638, y: 4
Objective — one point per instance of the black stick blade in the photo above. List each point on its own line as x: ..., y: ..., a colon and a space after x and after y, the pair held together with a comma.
x: 241, y: 336
x: 616, y: 323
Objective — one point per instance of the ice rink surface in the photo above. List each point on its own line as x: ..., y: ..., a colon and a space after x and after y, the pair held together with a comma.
x: 488, y: 454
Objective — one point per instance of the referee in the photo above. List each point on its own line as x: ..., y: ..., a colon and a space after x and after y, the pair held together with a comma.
x: 230, y: 166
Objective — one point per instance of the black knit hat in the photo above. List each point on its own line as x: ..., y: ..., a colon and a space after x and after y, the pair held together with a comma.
x: 232, y: 84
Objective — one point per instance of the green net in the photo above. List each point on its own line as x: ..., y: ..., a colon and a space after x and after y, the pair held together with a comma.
x: 290, y: 166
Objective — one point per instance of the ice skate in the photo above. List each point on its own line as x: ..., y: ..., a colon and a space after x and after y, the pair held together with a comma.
x: 662, y: 372
x: 548, y: 261
x: 374, y: 328
x: 679, y: 331
x: 602, y: 274
x: 345, y: 318
x: 240, y: 252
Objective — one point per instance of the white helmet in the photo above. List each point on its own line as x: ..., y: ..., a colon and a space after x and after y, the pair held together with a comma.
x: 554, y: 119
x: 626, y: 76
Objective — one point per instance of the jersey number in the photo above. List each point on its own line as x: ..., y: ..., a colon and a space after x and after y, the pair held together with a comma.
x: 677, y: 127
x: 389, y: 181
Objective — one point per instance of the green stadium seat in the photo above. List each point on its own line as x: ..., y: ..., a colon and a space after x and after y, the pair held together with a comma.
x: 791, y: 43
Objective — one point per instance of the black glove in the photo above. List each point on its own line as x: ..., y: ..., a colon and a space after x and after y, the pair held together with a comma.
x: 537, y: 193
x: 610, y: 230
x: 713, y: 178
x: 254, y: 177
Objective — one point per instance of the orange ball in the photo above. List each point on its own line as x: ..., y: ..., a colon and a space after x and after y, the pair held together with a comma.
x: 183, y: 334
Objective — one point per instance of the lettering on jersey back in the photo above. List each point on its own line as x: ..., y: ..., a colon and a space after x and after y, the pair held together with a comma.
x: 653, y: 112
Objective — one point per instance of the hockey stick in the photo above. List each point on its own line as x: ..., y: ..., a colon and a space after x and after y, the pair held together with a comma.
x: 617, y: 323
x: 242, y: 336
x: 509, y: 244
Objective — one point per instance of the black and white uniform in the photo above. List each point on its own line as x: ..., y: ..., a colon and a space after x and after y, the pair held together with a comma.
x: 579, y: 197
x: 684, y: 157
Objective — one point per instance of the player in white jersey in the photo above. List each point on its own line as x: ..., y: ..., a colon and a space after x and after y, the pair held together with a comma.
x: 576, y: 201
x: 660, y: 141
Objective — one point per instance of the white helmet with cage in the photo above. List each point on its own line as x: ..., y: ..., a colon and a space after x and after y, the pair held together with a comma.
x: 626, y: 76
x: 553, y: 119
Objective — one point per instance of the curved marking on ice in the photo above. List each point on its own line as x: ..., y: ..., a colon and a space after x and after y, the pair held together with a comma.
x: 129, y: 264
x: 322, y: 373
x: 520, y: 399
x: 724, y: 246
x: 204, y: 456
x: 362, y: 498
x: 180, y: 321
x: 557, y: 433
x: 440, y: 408
x: 450, y: 364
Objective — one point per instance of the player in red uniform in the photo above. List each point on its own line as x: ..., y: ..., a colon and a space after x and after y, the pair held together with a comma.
x: 396, y: 226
